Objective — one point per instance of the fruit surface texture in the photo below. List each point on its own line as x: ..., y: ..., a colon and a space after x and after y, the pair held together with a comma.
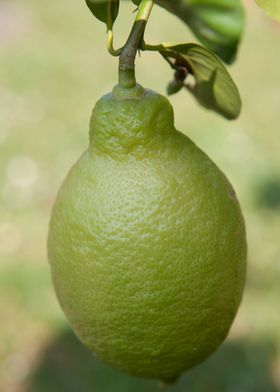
x: 147, y: 241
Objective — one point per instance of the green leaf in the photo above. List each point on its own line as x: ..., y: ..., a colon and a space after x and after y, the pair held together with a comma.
x: 104, y: 10
x: 271, y: 7
x: 174, y: 87
x: 218, y: 24
x: 213, y: 87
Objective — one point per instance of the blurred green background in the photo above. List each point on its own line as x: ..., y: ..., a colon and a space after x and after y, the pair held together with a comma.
x: 54, y: 66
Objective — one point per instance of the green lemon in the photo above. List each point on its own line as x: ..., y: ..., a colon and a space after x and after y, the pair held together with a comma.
x: 147, y: 241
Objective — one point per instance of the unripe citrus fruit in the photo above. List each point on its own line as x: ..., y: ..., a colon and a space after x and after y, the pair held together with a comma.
x: 147, y: 241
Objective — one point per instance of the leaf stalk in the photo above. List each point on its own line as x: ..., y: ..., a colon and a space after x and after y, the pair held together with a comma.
x: 110, y: 44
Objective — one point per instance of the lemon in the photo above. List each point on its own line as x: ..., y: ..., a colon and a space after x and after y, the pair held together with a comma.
x: 147, y: 241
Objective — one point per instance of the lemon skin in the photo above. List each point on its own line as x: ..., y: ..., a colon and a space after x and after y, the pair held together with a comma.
x: 147, y: 242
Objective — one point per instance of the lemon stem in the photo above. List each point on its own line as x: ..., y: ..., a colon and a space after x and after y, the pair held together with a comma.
x: 128, y: 53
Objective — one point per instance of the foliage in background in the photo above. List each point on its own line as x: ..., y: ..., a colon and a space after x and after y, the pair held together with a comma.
x: 218, y: 24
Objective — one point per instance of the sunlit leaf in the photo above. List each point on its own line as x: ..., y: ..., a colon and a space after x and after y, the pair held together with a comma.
x: 271, y: 7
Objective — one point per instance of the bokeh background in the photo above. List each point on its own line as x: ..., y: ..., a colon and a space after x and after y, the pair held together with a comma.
x: 54, y: 66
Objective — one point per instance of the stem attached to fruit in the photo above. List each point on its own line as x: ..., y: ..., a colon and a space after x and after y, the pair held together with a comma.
x: 127, y: 58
